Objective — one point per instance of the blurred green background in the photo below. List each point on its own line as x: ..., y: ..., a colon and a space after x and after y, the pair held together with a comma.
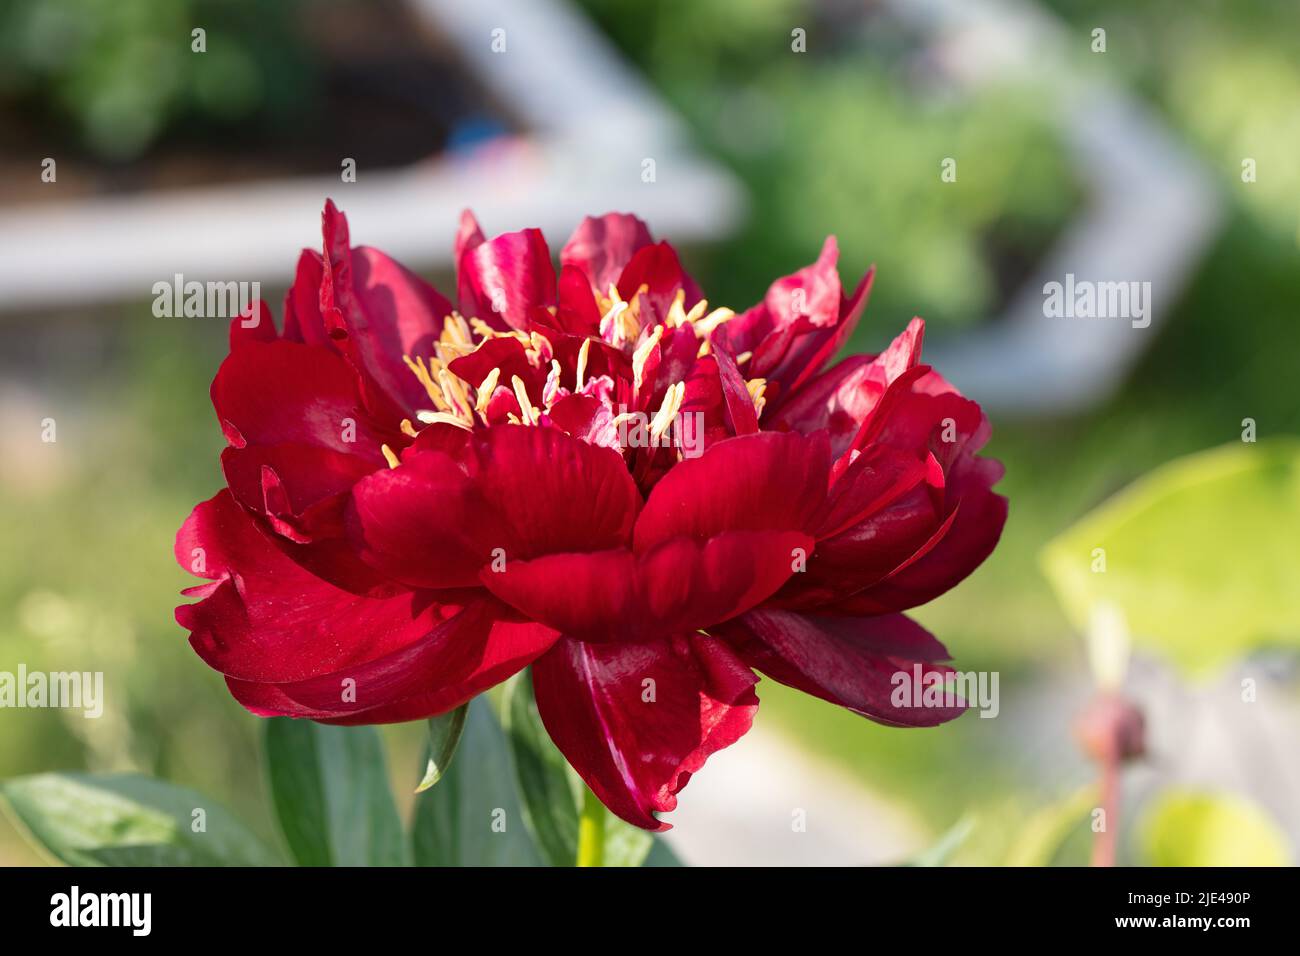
x: 844, y: 141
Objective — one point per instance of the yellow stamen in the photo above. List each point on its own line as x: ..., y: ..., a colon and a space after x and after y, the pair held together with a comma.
x: 485, y: 390
x: 704, y: 326
x: 417, y: 366
x: 583, y: 352
x: 620, y: 322
x: 676, y: 317
x: 697, y: 310
x: 744, y: 357
x: 443, y: 418
x: 456, y: 331
x: 453, y: 392
x: 408, y: 429
x: 393, y: 460
x: 663, y: 419
x: 624, y: 417
x: 756, y: 387
x: 528, y: 413
x: 482, y: 329
x: 642, y: 354
x: 538, y: 348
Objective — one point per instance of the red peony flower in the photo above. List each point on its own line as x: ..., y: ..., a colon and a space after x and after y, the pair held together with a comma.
x: 645, y: 498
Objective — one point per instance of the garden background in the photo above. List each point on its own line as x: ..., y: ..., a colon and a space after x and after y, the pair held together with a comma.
x: 846, y: 136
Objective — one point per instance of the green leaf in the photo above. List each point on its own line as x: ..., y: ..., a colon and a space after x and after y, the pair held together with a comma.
x: 1200, y: 829
x: 626, y: 845
x: 549, y: 795
x: 661, y: 854
x: 1045, y: 831
x: 551, y: 791
x: 331, y: 794
x: 943, y: 849
x: 444, y: 735
x: 1200, y: 555
x: 130, y: 820
x: 474, y: 816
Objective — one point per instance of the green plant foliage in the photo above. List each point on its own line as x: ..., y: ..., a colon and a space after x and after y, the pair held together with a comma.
x: 130, y: 820
x: 841, y: 139
x: 1200, y: 555
x: 473, y: 817
x: 331, y: 794
x: 444, y: 736
x: 121, y: 72
x: 552, y: 793
x: 1201, y: 829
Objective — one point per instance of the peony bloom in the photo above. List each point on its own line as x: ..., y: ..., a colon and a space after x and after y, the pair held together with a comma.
x: 597, y: 474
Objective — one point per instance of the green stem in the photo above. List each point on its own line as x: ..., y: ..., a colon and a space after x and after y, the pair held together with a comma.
x: 591, y: 831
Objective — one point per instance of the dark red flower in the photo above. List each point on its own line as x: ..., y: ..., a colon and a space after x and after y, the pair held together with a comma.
x: 597, y: 474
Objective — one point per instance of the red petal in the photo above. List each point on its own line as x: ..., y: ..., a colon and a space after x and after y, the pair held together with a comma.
x: 741, y: 413
x: 637, y: 720
x: 578, y: 313
x: 506, y: 353
x: 799, y: 326
x: 976, y: 527
x: 281, y: 392
x: 426, y: 524
x: 678, y: 586
x: 555, y: 493
x: 303, y: 321
x: 293, y: 408
x: 602, y: 247
x: 378, y: 311
x: 460, y: 657
x: 300, y: 487
x: 268, y: 618
x: 767, y: 481
x: 469, y: 235
x: 254, y: 324
x: 658, y: 268
x: 853, y: 662
x: 501, y: 280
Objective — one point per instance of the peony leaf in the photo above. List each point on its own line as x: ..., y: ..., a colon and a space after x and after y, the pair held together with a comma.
x: 130, y: 820
x: 1201, y: 829
x: 1199, y: 555
x: 626, y: 845
x: 942, y: 850
x: 550, y: 799
x: 444, y: 735
x: 473, y: 817
x: 552, y: 792
x: 331, y: 794
x: 1043, y: 832
x: 661, y: 854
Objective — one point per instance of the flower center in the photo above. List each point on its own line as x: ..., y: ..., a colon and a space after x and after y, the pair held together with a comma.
x: 465, y: 404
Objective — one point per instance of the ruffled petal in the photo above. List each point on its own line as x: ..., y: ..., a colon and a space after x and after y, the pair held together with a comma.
x: 678, y: 586
x: 636, y: 720
x: 267, y: 618
x: 658, y: 268
x: 464, y: 654
x: 869, y: 665
x: 767, y: 481
x: 503, y: 279
x: 602, y: 246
